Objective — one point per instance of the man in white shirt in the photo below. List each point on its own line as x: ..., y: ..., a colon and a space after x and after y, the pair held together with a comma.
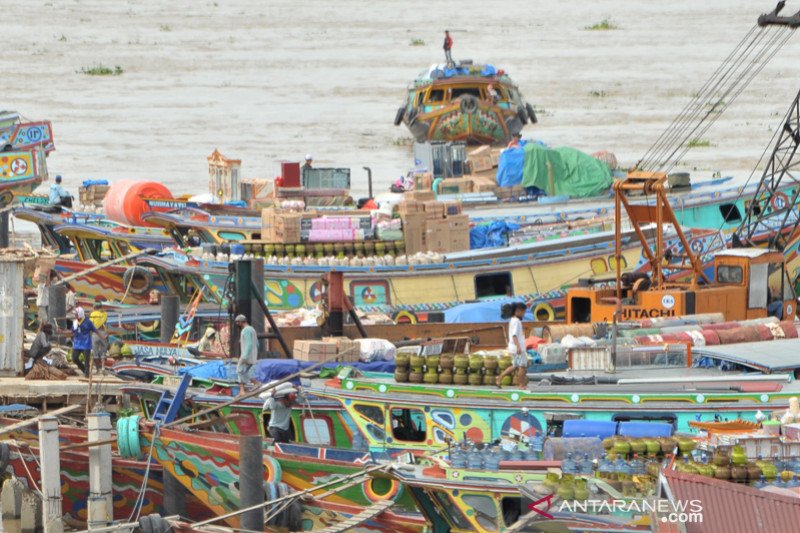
x: 516, y: 347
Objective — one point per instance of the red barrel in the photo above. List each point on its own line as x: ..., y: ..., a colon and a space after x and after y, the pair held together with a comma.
x: 711, y: 337
x: 125, y: 200
x: 764, y: 332
x: 789, y: 329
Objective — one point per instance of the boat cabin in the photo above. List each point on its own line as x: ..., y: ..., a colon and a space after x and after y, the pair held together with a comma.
x: 748, y: 283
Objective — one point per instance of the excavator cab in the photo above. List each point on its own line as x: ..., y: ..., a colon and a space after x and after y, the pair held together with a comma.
x: 762, y: 274
x: 748, y: 283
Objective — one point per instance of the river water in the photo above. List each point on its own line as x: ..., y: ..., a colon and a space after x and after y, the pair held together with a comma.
x: 266, y: 81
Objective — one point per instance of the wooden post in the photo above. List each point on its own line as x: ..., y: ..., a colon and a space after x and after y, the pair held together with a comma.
x: 251, y: 481
x: 170, y: 304
x: 256, y: 313
x: 57, y: 309
x: 51, y: 474
x: 100, y: 504
x: 4, y: 239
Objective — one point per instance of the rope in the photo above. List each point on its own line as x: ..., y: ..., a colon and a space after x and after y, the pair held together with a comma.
x: 137, y: 506
x: 732, y: 76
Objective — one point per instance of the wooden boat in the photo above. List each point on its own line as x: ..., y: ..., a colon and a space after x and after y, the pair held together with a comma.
x: 457, y: 104
x: 129, y: 476
x: 25, y: 146
x: 207, y: 465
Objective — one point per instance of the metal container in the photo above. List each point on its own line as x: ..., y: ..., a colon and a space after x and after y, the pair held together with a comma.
x: 12, y: 304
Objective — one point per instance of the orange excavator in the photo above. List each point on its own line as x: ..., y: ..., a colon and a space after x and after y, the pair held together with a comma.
x: 745, y: 282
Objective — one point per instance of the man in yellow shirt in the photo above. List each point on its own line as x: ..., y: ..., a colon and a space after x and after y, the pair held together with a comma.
x: 99, y: 343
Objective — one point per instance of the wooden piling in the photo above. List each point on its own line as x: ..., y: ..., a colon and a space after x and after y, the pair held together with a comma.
x: 170, y: 308
x: 251, y: 481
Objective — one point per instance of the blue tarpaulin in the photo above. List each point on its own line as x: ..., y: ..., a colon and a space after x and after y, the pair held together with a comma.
x: 211, y: 370
x: 510, y: 166
x: 87, y: 183
x: 491, y: 235
x: 267, y: 370
x: 488, y: 311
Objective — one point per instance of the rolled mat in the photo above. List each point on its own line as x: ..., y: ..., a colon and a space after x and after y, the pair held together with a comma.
x: 789, y: 329
x: 721, y: 326
x: 711, y: 337
x: 738, y: 335
x: 764, y: 332
x: 556, y: 332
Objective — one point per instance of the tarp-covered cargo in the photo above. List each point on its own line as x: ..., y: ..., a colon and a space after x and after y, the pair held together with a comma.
x: 564, y: 172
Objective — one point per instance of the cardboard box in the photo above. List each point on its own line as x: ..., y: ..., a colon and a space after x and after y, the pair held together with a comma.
x: 437, y: 236
x: 347, y: 350
x: 313, y: 350
x: 409, y: 206
x: 459, y: 238
x: 496, y: 156
x: 452, y: 208
x: 423, y: 181
x: 434, y: 209
x: 455, y: 186
x: 414, y: 232
x: 420, y: 196
x: 480, y: 159
x: 458, y: 221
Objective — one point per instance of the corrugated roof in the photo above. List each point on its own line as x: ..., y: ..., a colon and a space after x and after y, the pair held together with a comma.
x: 766, y: 356
x: 733, y: 508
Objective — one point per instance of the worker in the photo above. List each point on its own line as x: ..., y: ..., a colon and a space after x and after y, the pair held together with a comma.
x: 58, y: 195
x: 70, y: 302
x: 516, y: 347
x: 81, y: 331
x: 309, y: 161
x: 248, y: 350
x: 515, y: 140
x: 43, y: 296
x: 279, y: 404
x: 206, y: 342
x: 40, y: 347
x: 491, y: 92
x: 99, y: 344
x: 448, y: 46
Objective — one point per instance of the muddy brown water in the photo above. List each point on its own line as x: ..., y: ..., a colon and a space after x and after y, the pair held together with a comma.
x: 265, y: 81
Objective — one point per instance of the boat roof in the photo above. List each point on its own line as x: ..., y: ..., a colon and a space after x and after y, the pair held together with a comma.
x: 745, y: 252
x: 765, y: 356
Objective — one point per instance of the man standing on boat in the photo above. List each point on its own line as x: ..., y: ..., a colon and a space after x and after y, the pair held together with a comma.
x: 248, y: 350
x: 309, y: 161
x: 448, y: 45
x: 279, y: 403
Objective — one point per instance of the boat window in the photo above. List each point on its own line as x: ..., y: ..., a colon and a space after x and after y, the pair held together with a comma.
x: 581, y: 309
x: 612, y: 262
x: 484, y: 508
x: 455, y: 92
x: 729, y: 274
x: 408, y: 425
x: 599, y: 266
x: 318, y: 430
x: 496, y: 284
x: 420, y: 98
x: 436, y: 95
x: 759, y: 288
x: 372, y: 412
x: 451, y: 511
x: 730, y: 213
x: 123, y: 248
x: 512, y: 509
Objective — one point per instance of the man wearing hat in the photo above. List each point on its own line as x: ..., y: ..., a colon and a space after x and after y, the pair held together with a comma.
x: 248, y: 350
x: 309, y: 161
x: 99, y: 342
x: 279, y: 402
x: 515, y: 140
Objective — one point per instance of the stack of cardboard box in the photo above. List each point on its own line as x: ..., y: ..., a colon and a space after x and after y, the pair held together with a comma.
x: 281, y: 226
x: 480, y: 159
x: 434, y: 227
x: 92, y: 195
x: 313, y: 350
x: 423, y: 181
x: 420, y: 195
x: 455, y: 185
x: 347, y: 350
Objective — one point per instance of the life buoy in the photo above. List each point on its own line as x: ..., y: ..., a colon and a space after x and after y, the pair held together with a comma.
x: 151, y: 327
x: 128, y: 442
x: 398, y: 118
x: 404, y: 317
x: 469, y: 104
x: 531, y: 113
x: 137, y: 280
x: 394, y: 493
x: 544, y: 312
x: 779, y: 201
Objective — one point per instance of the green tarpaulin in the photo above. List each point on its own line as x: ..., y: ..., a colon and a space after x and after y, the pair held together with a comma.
x: 565, y: 172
